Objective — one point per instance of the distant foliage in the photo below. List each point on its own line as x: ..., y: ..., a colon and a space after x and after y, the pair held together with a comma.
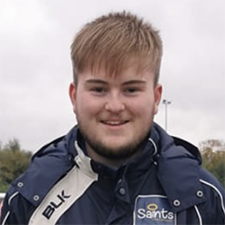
x: 13, y: 162
x: 213, y: 156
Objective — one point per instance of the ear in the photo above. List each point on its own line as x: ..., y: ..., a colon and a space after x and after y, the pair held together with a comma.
x: 158, y: 95
x: 72, y: 94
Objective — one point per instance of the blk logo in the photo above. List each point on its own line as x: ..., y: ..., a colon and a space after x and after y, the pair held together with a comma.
x: 52, y: 206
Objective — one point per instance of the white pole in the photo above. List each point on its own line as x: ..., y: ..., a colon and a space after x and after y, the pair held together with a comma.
x: 166, y: 102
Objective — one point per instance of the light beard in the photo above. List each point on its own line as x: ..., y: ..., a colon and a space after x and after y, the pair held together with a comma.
x: 121, y: 153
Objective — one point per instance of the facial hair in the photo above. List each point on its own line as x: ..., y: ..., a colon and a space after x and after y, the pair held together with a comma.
x: 121, y: 153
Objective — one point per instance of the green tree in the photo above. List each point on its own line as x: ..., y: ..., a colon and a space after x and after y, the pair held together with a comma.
x: 213, y: 156
x: 13, y: 162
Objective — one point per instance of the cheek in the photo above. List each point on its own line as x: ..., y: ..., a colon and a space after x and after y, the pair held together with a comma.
x: 88, y: 105
x: 143, y: 106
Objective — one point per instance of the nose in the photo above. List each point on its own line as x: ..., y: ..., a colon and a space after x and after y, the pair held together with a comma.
x: 114, y: 104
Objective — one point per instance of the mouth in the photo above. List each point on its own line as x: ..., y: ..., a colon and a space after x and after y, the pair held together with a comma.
x: 115, y: 123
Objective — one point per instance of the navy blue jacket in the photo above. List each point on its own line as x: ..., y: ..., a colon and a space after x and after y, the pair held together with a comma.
x: 164, y: 185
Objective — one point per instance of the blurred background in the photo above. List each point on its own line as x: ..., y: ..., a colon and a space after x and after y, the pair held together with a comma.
x: 35, y: 67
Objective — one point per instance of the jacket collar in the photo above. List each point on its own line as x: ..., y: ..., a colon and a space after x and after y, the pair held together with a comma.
x: 132, y: 168
x: 178, y: 167
x: 178, y: 171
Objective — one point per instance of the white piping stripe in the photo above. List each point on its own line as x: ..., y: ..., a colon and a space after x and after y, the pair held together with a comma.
x: 9, y: 202
x: 218, y: 192
x: 6, y: 217
x: 12, y: 196
x: 154, y: 145
x: 199, y: 215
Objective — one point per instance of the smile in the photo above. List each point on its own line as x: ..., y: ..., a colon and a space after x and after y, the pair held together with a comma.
x: 114, y: 123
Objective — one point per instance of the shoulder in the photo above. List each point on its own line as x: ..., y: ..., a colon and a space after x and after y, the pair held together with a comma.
x: 183, y: 178
x: 47, y: 167
x: 212, y: 187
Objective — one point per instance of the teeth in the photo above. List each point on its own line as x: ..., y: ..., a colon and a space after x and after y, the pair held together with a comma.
x: 114, y: 122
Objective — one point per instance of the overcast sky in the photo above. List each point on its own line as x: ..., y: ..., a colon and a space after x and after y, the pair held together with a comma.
x: 35, y: 67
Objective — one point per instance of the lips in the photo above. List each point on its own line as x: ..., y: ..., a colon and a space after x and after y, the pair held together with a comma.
x: 114, y: 123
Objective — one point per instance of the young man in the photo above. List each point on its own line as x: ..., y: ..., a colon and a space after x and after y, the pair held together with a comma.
x: 116, y: 166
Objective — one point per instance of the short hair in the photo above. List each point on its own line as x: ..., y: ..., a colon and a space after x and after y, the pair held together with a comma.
x: 113, y: 41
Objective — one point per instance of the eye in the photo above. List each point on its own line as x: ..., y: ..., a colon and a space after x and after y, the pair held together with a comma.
x: 98, y: 89
x: 131, y: 90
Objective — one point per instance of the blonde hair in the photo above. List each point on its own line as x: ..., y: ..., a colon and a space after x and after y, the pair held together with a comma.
x: 112, y: 42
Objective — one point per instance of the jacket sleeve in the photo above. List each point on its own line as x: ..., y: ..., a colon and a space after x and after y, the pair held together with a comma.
x: 15, y: 210
x: 214, y: 209
x: 216, y: 204
x: 5, y: 210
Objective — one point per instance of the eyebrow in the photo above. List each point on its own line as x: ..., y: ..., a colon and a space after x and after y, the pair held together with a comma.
x: 134, y: 82
x: 98, y: 81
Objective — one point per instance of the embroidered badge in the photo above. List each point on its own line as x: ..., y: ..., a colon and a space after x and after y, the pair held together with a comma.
x: 153, y: 210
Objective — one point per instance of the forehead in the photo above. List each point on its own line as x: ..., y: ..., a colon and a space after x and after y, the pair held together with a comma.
x: 131, y: 67
x: 131, y: 73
